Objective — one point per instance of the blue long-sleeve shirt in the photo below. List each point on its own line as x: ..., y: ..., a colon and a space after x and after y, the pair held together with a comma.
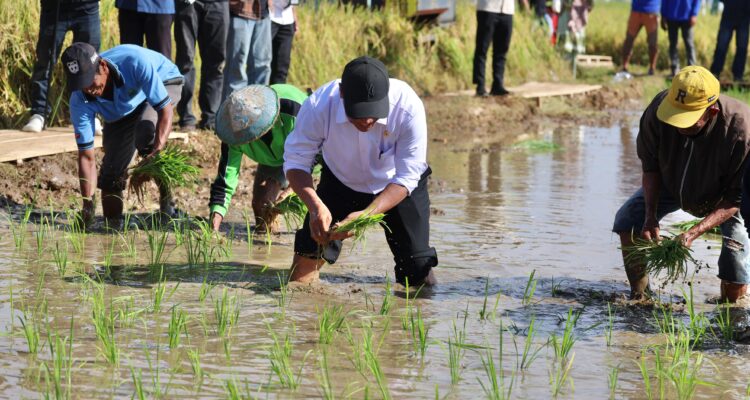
x: 680, y: 10
x: 646, y: 6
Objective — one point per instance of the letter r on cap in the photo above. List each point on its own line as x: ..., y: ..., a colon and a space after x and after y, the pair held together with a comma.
x: 681, y: 96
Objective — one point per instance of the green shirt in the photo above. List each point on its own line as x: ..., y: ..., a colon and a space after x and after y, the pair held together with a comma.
x: 266, y: 150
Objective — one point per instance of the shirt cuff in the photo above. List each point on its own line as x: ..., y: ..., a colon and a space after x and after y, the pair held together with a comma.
x: 219, y: 209
x: 409, y: 183
x: 288, y: 165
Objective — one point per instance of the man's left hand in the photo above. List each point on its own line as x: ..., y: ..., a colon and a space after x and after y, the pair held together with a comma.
x: 686, y: 238
x: 693, y: 20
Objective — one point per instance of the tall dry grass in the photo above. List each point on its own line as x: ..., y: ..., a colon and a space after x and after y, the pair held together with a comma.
x: 431, y: 60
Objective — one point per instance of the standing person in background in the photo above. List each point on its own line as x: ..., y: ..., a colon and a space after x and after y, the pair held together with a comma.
x: 79, y: 16
x: 248, y: 45
x: 149, y: 19
x: 283, y: 27
x: 207, y: 22
x: 573, y: 23
x: 680, y: 15
x: 644, y: 13
x: 494, y: 25
x: 736, y: 17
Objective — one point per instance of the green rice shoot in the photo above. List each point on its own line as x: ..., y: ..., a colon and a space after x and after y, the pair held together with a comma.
x: 687, y: 225
x: 536, y: 146
x: 170, y: 168
x: 361, y: 224
x: 293, y: 209
x: 668, y: 256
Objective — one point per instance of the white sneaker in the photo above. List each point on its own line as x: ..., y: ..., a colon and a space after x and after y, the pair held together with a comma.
x: 97, y: 127
x: 35, y: 124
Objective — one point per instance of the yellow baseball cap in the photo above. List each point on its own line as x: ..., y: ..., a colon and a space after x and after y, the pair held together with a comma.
x: 693, y: 90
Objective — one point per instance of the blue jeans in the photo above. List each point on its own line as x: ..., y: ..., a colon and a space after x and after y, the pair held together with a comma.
x: 85, y: 27
x: 249, y: 52
x: 734, y: 260
x: 736, y: 17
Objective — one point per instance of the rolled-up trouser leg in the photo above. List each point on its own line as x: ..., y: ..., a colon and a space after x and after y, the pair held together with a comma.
x: 735, y: 251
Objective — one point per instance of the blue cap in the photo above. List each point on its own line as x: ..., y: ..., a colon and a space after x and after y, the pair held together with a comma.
x: 247, y: 114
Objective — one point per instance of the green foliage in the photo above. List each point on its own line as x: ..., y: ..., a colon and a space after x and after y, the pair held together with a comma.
x: 169, y: 168
x: 668, y: 256
x: 293, y: 210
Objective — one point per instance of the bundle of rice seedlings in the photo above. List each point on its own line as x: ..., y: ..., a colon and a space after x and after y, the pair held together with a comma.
x: 361, y: 224
x: 169, y: 168
x: 687, y: 225
x: 668, y: 256
x: 293, y: 209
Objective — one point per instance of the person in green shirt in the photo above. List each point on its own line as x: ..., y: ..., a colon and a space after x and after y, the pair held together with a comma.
x: 254, y: 121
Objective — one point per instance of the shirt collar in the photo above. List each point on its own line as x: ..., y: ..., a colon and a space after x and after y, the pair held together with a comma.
x: 341, y: 114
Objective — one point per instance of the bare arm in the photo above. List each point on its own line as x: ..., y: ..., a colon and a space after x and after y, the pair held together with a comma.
x: 723, y: 212
x: 320, y: 217
x: 87, y: 180
x: 163, y: 127
x: 651, y: 187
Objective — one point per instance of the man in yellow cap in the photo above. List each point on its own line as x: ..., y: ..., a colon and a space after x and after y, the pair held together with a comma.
x: 693, y: 145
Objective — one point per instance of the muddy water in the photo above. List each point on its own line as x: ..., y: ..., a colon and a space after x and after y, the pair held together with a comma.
x: 499, y: 214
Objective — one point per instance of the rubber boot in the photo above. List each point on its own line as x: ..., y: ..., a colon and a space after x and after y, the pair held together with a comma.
x: 639, y: 288
x: 732, y: 292
x: 166, y: 203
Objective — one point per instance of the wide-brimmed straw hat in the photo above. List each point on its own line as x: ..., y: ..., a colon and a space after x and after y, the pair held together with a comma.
x: 247, y: 114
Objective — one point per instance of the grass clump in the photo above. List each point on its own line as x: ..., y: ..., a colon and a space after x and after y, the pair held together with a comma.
x: 668, y: 256
x: 687, y: 225
x: 361, y: 224
x: 535, y: 146
x: 169, y: 168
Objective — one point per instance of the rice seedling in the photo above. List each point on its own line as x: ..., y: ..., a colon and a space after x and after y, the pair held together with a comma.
x: 528, y: 356
x: 31, y: 331
x: 385, y: 306
x: 231, y: 390
x: 645, y: 376
x: 169, y: 168
x: 456, y: 351
x: 496, y: 387
x: 724, y: 322
x: 40, y: 235
x: 18, y: 230
x: 159, y: 292
x: 484, y: 314
x: 195, y: 364
x: 612, y: 378
x: 76, y: 232
x: 528, y: 292
x: 285, y: 296
x: 159, y: 390
x: 227, y: 313
x: 40, y: 282
x: 226, y: 343
x: 61, y: 353
x: 418, y: 331
x: 361, y: 224
x: 293, y: 210
x: 370, y: 352
x: 280, y: 356
x: 177, y: 327
x: 104, y: 325
x: 330, y: 320
x: 683, y: 370
x: 129, y: 244
x: 324, y: 377
x: 202, y: 246
x: 249, y: 229
x: 563, y: 345
x: 560, y: 374
x: 610, y: 324
x: 157, y: 243
x: 698, y: 323
x: 668, y: 256
x: 536, y: 146
x: 137, y: 378
x: 687, y: 225
x: 60, y: 255
x: 205, y: 290
x: 554, y: 287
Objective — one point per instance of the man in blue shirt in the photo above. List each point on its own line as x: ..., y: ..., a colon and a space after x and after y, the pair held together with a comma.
x: 680, y: 15
x: 149, y: 19
x: 133, y: 89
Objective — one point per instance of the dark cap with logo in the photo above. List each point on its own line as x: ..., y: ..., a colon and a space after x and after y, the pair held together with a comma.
x: 80, y: 61
x: 364, y: 87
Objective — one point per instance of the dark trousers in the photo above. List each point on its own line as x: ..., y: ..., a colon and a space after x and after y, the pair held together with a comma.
x: 283, y: 35
x: 408, y: 232
x: 736, y: 17
x: 207, y: 23
x: 673, y: 28
x: 85, y: 27
x: 155, y: 28
x: 492, y: 28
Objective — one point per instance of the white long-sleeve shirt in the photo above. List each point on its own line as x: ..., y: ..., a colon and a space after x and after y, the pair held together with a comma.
x: 394, y: 150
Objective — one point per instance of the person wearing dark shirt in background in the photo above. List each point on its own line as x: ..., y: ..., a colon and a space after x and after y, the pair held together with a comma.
x: 79, y: 16
x: 680, y: 15
x: 736, y: 17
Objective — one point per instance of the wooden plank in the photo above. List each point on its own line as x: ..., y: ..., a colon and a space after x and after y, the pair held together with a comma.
x: 531, y: 90
x: 594, y: 61
x: 18, y: 146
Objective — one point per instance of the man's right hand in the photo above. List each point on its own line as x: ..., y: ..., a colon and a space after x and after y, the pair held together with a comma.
x: 650, y: 230
x: 320, y: 224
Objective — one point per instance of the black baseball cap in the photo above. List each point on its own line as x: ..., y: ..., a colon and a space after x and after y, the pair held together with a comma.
x: 364, y: 86
x: 80, y: 61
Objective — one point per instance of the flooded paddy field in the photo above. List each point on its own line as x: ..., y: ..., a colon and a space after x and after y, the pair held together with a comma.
x: 531, y: 301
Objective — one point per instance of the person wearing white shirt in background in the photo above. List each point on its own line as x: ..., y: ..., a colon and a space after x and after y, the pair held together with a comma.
x: 283, y: 27
x: 372, y: 133
x: 494, y: 25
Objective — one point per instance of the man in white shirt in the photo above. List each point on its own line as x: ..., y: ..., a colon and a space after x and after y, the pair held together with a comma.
x: 372, y: 133
x: 494, y: 25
